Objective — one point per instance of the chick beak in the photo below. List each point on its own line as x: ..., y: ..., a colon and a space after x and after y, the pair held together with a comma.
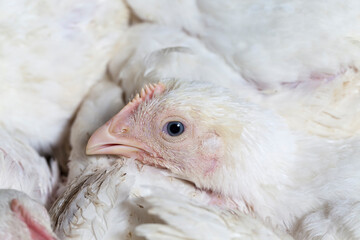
x: 116, y: 137
x: 105, y: 141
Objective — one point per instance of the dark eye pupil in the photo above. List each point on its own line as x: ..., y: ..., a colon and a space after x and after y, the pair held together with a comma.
x: 175, y: 128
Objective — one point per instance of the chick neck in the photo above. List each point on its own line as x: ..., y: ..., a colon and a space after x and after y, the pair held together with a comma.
x: 274, y: 172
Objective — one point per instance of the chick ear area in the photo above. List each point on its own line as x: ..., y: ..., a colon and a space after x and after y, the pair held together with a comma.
x: 212, y: 142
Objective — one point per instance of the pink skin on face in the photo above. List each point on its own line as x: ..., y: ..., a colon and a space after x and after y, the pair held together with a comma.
x: 119, y: 136
x: 139, y: 131
x: 212, y: 166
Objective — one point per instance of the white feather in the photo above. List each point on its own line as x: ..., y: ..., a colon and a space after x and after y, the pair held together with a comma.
x: 186, y: 219
x: 267, y: 42
x: 152, y: 52
x: 52, y: 52
x: 23, y: 169
x: 100, y: 203
x: 103, y: 100
x: 331, y: 109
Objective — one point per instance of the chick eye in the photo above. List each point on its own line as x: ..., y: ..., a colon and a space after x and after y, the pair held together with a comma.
x: 174, y: 128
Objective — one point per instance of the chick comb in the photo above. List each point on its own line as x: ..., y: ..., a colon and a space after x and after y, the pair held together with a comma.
x: 146, y: 93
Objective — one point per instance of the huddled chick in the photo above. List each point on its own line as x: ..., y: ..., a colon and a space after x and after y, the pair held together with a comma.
x: 238, y: 150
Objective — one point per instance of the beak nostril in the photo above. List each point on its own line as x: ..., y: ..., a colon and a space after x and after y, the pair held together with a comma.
x: 119, y: 129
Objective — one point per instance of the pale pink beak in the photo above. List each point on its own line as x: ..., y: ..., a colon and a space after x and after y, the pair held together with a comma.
x: 106, y: 140
x: 116, y: 137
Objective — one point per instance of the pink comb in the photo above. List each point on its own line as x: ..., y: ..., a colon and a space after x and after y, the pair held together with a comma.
x: 146, y: 93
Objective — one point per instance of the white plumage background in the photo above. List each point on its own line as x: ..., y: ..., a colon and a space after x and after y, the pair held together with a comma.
x: 67, y: 67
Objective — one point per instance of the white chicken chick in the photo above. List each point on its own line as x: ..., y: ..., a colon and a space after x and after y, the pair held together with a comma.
x: 103, y: 197
x: 52, y: 52
x: 23, y: 169
x: 237, y: 149
x: 22, y: 218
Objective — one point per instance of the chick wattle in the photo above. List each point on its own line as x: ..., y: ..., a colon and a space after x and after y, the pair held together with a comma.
x: 240, y: 151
